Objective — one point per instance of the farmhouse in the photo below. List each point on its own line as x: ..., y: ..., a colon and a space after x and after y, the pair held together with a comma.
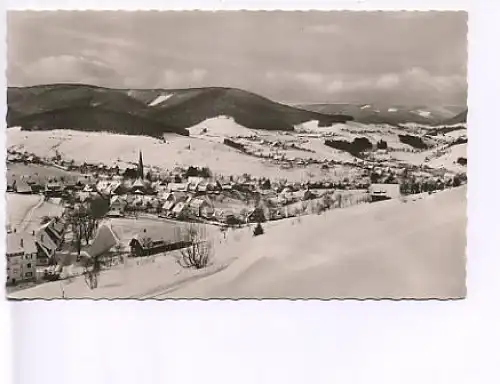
x: 117, y: 203
x: 53, y: 189
x: 48, y: 239
x: 69, y: 186
x: 257, y: 215
x: 166, y: 208
x: 380, y: 192
x: 202, y: 187
x: 23, y: 187
x: 90, y: 187
x: 11, y: 186
x: 226, y: 216
x: 177, y: 187
x: 195, y: 180
x: 179, y: 209
x: 146, y: 245
x: 201, y: 208
x: 21, y: 255
x: 170, y: 200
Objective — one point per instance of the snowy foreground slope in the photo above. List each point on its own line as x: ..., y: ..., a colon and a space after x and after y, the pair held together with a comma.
x: 392, y: 249
x: 384, y: 250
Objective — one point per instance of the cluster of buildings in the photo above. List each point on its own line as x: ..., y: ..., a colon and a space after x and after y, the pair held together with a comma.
x: 28, y: 250
x: 199, y: 198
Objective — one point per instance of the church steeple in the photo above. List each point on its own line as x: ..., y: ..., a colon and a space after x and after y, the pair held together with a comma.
x: 140, y: 168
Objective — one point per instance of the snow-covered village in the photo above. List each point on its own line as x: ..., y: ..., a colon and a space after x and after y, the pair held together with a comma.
x: 303, y: 185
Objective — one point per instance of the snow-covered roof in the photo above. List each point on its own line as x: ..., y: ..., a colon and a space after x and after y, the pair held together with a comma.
x: 104, y: 240
x: 20, y: 242
x: 179, y: 207
x: 138, y: 183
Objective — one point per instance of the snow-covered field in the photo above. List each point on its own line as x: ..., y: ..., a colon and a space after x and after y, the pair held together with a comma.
x: 18, y: 206
x: 351, y: 130
x: 456, y: 134
x: 205, y: 147
x: 384, y: 250
x: 222, y: 126
x: 392, y: 249
x: 111, y: 149
x: 448, y: 159
x: 25, y: 212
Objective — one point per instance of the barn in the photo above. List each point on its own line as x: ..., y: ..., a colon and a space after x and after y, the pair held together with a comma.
x: 147, y: 244
x: 379, y: 192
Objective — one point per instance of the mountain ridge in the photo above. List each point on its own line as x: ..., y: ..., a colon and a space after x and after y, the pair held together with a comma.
x: 36, y: 107
x: 390, y: 114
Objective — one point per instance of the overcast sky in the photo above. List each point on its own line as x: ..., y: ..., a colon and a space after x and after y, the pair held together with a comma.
x: 362, y: 57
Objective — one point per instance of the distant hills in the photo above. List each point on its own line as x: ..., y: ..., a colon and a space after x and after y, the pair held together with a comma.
x: 393, y: 115
x: 151, y: 112
x: 457, y: 119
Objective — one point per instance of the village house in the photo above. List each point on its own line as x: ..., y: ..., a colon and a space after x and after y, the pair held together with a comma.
x: 379, y: 192
x: 10, y: 186
x: 46, y: 247
x: 69, y: 186
x: 195, y: 180
x: 159, y: 187
x: 137, y: 203
x: 22, y: 187
x: 103, y: 185
x: 21, y: 256
x: 166, y: 208
x: 180, y: 210
x: 150, y: 243
x: 53, y: 189
x: 214, y: 186
x: 202, y: 188
x: 177, y: 187
x: 90, y: 187
x: 117, y: 203
x: 115, y: 213
x: 169, y: 200
x: 48, y: 238
x: 201, y: 208
x: 226, y: 216
x: 257, y: 215
x: 192, y: 187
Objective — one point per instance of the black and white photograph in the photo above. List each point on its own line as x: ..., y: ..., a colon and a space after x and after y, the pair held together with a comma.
x: 236, y: 155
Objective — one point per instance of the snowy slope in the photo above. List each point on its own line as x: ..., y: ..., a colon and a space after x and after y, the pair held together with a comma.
x: 414, y: 249
x: 389, y: 249
x: 160, y: 99
x: 221, y: 126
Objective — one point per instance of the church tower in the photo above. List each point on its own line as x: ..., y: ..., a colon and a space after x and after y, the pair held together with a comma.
x: 140, y: 168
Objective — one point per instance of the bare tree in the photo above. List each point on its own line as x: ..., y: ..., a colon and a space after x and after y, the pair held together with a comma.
x: 199, y: 253
x: 120, y: 252
x: 84, y: 221
x: 77, y: 225
x: 83, y: 227
x: 92, y: 271
x: 339, y: 200
x: 328, y: 201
